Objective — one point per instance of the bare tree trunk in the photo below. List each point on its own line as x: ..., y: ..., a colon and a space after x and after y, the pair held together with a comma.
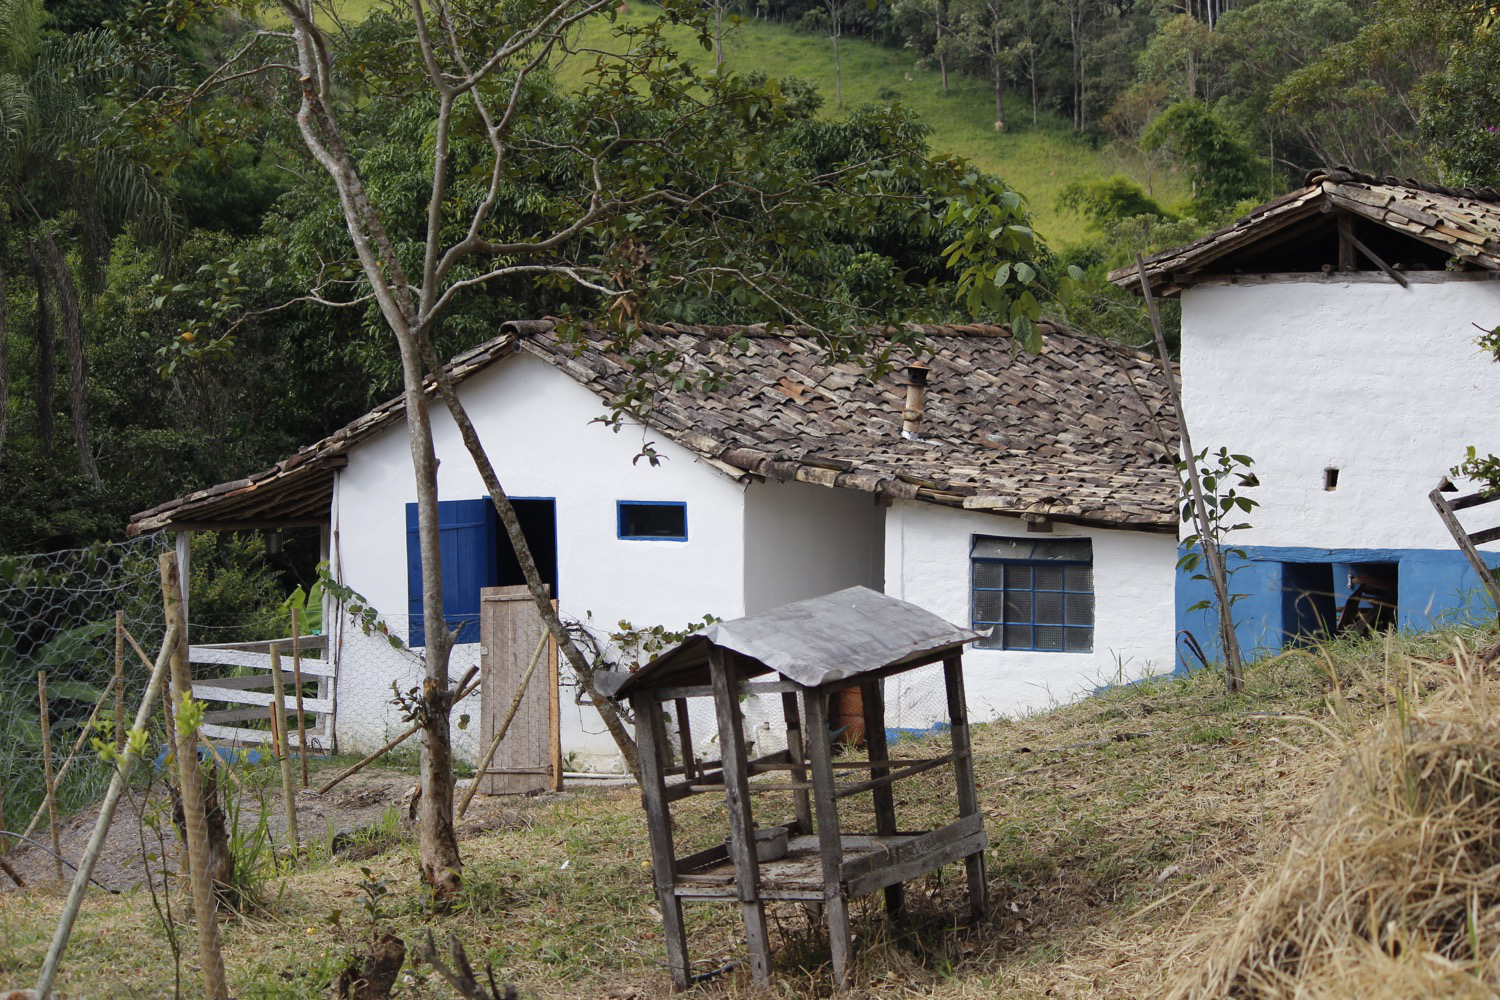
x: 838, y: 65
x: 582, y: 669
x: 942, y: 56
x: 46, y: 351
x: 72, y: 316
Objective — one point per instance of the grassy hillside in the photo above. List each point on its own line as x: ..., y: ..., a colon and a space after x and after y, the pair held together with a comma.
x: 1037, y: 161
x: 1125, y: 833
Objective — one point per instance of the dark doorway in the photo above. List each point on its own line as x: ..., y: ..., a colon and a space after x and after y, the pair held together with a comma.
x: 1308, y: 609
x: 538, y: 519
x: 1371, y: 604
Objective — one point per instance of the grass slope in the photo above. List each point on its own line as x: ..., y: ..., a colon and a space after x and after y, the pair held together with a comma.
x: 1119, y: 826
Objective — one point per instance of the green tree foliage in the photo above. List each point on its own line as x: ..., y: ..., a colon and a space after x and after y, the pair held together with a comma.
x: 1224, y: 170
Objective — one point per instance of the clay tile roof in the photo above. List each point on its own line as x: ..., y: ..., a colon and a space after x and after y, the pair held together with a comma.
x: 1078, y: 433
x: 1462, y: 222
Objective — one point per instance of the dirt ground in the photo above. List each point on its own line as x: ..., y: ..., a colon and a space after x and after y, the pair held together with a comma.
x: 359, y: 802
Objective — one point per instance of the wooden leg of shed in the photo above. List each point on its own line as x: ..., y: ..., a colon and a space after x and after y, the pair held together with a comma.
x: 885, y: 799
x: 963, y: 769
x: 830, y: 842
x: 741, y: 819
x: 801, y: 802
x: 653, y: 750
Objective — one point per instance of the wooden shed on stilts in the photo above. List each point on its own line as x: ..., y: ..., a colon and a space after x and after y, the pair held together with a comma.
x: 815, y: 648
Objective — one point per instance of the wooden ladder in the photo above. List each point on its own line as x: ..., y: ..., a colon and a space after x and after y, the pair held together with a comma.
x: 1469, y: 541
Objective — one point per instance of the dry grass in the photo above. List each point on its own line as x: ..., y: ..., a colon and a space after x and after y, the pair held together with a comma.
x: 1120, y: 826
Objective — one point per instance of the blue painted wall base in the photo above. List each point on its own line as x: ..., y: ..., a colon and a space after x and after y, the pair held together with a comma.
x: 1434, y: 586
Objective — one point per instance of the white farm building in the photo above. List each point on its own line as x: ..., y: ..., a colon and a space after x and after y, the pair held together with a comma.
x: 1035, y: 499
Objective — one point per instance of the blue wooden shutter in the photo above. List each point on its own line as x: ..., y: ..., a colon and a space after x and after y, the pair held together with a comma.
x: 466, y: 532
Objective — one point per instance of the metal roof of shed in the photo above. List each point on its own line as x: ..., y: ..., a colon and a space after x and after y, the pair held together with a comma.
x: 814, y: 642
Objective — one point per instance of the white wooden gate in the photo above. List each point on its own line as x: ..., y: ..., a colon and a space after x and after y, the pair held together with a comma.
x: 248, y: 694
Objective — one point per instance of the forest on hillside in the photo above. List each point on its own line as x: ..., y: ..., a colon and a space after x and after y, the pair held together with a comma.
x: 180, y: 303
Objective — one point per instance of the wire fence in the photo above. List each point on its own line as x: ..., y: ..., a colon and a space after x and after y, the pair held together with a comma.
x: 59, y: 614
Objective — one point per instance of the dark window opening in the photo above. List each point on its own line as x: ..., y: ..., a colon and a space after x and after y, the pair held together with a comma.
x: 1308, y: 603
x: 539, y: 526
x: 1330, y: 479
x: 1322, y: 600
x: 1371, y: 603
x: 1033, y: 595
x: 653, y: 520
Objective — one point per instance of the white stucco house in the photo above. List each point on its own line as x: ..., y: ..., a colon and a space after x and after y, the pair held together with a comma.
x: 1036, y: 497
x: 1330, y: 335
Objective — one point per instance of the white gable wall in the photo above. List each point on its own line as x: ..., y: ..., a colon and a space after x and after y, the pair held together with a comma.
x: 804, y: 541
x: 537, y: 425
x: 1383, y: 383
x: 927, y: 563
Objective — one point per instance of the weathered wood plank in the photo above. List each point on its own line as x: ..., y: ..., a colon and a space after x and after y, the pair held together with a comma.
x: 963, y: 770
x: 830, y: 846
x: 801, y: 801
x: 891, y: 777
x: 873, y: 702
x: 659, y: 828
x: 942, y: 852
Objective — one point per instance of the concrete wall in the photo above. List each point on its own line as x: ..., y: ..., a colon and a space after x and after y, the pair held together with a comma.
x: 1384, y: 384
x: 536, y: 423
x: 804, y: 541
x: 927, y: 563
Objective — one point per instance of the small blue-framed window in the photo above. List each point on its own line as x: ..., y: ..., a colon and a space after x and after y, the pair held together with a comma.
x: 651, y: 520
x: 1034, y: 595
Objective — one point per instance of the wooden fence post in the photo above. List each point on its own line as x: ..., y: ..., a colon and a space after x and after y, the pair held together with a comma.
x: 119, y: 683
x: 195, y: 824
x: 284, y: 743
x: 41, y: 694
x: 297, y: 680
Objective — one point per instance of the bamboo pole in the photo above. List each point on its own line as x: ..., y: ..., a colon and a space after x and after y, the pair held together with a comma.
x: 102, y: 824
x: 554, y: 712
x: 119, y: 682
x: 1233, y: 664
x: 211, y: 959
x: 51, y: 795
x: 510, y: 714
x: 464, y: 690
x: 62, y: 772
x: 283, y: 743
x: 297, y: 680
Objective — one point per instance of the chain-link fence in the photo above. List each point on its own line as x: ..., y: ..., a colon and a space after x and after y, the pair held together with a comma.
x: 70, y: 617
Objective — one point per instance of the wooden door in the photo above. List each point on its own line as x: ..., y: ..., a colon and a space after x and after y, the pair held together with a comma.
x: 529, y: 758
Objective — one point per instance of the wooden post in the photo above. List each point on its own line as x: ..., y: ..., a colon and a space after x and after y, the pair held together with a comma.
x: 830, y: 841
x: 963, y: 770
x: 554, y: 711
x: 288, y: 785
x: 119, y: 683
x: 883, y: 794
x: 297, y: 680
x: 210, y: 958
x: 51, y: 790
x: 685, y: 740
x: 801, y: 802
x: 648, y: 723
x: 741, y: 818
x: 1346, y: 243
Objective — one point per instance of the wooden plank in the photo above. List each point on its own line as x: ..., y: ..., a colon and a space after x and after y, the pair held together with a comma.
x: 714, y: 778
x: 1346, y: 244
x: 315, y: 642
x: 238, y: 715
x: 659, y: 826
x: 873, y: 701
x: 1487, y: 535
x: 801, y: 801
x: 741, y: 819
x: 251, y: 682
x: 554, y: 710
x: 830, y: 846
x: 201, y: 656
x: 510, y: 630
x: 242, y: 697
x: 945, y: 852
x: 1390, y: 272
x: 963, y: 770
x: 1471, y: 500
x: 915, y: 845
x: 685, y: 737
x: 891, y: 777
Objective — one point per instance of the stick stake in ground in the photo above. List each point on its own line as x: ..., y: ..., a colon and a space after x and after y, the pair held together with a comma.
x: 119, y: 683
x: 515, y: 703
x: 283, y: 741
x: 195, y: 824
x: 1234, y: 670
x: 124, y: 765
x: 62, y: 772
x: 51, y: 800
x: 297, y: 680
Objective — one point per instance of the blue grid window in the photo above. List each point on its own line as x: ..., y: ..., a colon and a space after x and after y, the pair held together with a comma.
x: 1036, y: 595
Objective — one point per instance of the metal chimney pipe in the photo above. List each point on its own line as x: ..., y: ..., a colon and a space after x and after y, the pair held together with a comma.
x: 916, y: 401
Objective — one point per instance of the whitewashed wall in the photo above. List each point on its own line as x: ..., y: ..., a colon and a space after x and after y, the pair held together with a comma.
x: 927, y: 563
x: 804, y: 541
x: 1382, y: 382
x: 536, y: 424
